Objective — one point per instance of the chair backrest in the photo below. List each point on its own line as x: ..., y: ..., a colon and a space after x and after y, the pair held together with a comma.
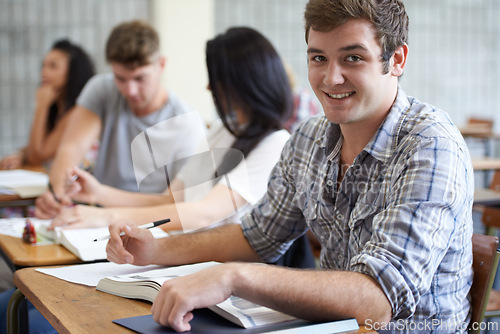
x: 495, y: 181
x: 491, y: 217
x: 485, y: 262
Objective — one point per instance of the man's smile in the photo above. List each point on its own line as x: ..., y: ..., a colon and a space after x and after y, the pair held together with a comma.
x: 340, y: 96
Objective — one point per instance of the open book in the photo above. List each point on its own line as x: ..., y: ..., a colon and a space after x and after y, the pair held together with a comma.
x: 78, y: 241
x: 81, y: 241
x: 146, y: 285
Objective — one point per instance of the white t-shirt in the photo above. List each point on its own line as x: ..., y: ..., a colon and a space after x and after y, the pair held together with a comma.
x: 249, y: 178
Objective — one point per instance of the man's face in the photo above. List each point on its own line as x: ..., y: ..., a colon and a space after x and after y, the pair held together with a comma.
x: 140, y: 85
x: 345, y: 72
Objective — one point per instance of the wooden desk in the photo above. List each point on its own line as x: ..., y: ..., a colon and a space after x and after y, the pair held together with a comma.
x: 477, y: 130
x: 485, y: 163
x: 19, y: 254
x: 486, y: 197
x: 15, y: 201
x: 33, y: 168
x: 74, y: 308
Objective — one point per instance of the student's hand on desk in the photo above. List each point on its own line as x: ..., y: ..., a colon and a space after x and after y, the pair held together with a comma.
x: 81, y: 216
x: 81, y: 185
x: 178, y: 297
x: 136, y: 246
x: 13, y: 161
x: 46, y: 206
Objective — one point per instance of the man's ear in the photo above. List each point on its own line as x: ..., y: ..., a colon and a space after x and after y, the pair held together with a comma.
x: 399, y: 60
x: 162, y: 61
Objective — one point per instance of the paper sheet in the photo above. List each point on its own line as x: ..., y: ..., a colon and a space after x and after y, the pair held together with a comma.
x: 90, y: 274
x: 14, y: 227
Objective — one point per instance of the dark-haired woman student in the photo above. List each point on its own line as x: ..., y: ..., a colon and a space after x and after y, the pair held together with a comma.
x: 65, y: 70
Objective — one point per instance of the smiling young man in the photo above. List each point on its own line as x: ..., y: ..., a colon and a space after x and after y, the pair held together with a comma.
x: 383, y: 181
x: 116, y: 107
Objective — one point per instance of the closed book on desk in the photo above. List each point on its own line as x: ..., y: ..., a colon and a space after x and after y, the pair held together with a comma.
x: 146, y: 286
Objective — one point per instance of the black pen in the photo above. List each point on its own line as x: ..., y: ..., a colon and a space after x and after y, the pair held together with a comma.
x: 145, y: 226
x: 54, y: 193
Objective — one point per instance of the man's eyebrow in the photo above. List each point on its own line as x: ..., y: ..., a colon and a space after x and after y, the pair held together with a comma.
x: 314, y: 50
x: 354, y: 47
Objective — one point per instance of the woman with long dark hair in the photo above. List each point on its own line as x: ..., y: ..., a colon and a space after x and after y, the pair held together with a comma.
x: 253, y: 98
x: 65, y: 70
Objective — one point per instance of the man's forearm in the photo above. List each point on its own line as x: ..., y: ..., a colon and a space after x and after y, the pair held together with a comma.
x: 65, y: 158
x: 209, y: 245
x: 319, y: 295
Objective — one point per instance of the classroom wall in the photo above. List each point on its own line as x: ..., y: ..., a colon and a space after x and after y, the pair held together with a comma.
x: 281, y: 21
x: 454, y: 56
x: 28, y: 28
x: 184, y: 28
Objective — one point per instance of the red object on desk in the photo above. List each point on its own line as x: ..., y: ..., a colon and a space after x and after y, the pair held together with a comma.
x: 29, y: 234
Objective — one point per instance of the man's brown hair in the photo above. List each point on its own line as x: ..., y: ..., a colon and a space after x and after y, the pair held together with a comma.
x: 132, y: 44
x: 388, y: 18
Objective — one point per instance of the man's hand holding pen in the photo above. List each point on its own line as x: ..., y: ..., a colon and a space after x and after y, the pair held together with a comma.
x: 130, y: 244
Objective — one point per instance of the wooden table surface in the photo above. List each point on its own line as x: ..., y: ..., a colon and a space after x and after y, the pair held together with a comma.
x: 476, y: 130
x: 75, y: 308
x: 486, y: 196
x: 485, y: 163
x: 22, y: 254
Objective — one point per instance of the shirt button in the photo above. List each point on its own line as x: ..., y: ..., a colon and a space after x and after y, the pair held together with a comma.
x: 340, y: 257
x: 340, y: 217
x: 329, y: 183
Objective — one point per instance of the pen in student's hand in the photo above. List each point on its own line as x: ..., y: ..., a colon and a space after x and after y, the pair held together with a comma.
x: 145, y: 226
x: 51, y: 189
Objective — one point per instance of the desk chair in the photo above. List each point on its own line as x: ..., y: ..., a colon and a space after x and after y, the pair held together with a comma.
x: 490, y: 214
x: 495, y: 181
x: 480, y: 130
x: 491, y: 220
x: 485, y: 261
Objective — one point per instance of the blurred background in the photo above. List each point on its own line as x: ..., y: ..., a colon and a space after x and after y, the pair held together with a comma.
x: 452, y: 63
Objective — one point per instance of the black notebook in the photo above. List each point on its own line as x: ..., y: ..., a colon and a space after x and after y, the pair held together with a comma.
x: 207, y: 322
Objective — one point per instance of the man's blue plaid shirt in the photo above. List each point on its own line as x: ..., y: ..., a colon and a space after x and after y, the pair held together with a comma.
x: 402, y: 213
